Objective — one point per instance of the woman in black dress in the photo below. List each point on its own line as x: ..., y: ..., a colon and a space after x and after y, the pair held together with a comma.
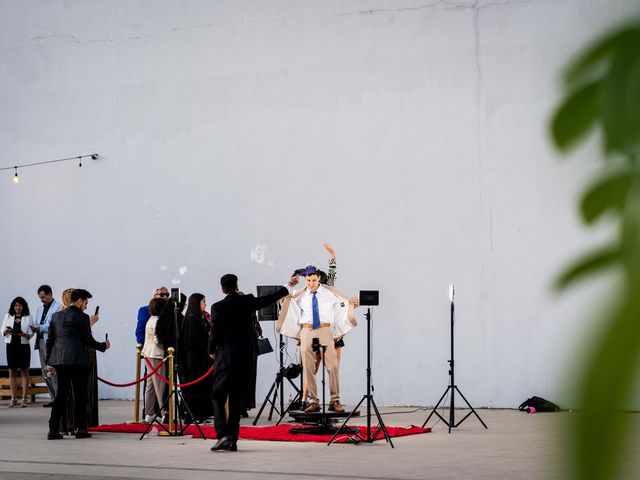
x: 194, y: 341
x: 17, y: 333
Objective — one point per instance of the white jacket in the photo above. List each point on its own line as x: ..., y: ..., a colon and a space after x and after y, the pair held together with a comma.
x: 44, y: 328
x: 152, y: 348
x: 289, y: 318
x: 25, y: 323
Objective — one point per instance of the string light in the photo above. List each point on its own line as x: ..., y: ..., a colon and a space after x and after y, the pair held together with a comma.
x: 16, y: 178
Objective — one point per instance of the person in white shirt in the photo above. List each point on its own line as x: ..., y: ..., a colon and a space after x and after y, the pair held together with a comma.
x: 319, y: 312
x: 40, y: 326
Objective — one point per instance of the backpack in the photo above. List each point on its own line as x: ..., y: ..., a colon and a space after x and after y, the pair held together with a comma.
x: 539, y: 404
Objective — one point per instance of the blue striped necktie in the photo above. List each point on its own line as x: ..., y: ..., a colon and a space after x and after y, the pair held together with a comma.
x: 316, y: 313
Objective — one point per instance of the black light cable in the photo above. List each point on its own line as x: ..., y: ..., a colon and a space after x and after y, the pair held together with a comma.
x: 16, y: 178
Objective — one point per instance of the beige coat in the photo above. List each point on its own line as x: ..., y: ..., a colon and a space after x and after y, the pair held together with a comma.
x: 290, y: 313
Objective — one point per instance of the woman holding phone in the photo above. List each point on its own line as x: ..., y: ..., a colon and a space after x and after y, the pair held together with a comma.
x: 16, y: 331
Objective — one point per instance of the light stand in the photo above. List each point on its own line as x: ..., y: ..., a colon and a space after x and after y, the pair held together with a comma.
x: 271, y: 313
x: 368, y: 396
x: 452, y: 387
x: 177, y: 425
x: 277, y: 387
x: 297, y: 399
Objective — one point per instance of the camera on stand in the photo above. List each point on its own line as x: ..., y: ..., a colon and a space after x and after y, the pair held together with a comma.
x: 315, y: 345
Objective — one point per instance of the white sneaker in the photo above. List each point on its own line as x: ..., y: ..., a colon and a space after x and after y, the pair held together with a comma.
x: 148, y: 418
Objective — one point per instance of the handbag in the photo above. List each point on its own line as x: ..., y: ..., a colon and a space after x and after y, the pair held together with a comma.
x: 264, y: 346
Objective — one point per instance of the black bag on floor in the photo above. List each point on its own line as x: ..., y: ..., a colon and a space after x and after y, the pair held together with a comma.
x: 540, y: 404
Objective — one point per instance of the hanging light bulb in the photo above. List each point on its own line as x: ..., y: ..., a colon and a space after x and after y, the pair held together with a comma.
x: 16, y: 178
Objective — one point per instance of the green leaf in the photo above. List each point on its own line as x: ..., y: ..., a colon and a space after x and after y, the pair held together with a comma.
x: 620, y: 101
x: 589, y: 265
x: 576, y: 116
x: 609, y: 193
x: 601, y: 428
x: 596, y: 55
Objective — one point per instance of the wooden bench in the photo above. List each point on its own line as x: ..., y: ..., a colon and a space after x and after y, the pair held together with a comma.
x: 36, y: 383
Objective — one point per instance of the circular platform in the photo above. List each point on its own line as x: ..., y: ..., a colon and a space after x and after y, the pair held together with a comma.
x: 316, y: 417
x: 319, y: 423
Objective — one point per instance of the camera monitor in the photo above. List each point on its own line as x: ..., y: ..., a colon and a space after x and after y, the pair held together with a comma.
x: 369, y: 298
x: 270, y: 313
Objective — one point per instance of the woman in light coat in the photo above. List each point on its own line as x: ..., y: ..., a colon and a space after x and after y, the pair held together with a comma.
x: 16, y: 331
x: 153, y: 350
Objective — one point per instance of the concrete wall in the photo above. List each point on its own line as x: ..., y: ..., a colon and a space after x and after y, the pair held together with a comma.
x: 409, y: 134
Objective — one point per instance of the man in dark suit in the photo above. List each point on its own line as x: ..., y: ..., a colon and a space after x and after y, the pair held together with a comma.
x: 232, y: 344
x: 69, y: 334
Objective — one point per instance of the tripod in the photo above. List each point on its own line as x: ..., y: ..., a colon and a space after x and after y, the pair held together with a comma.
x: 277, y: 388
x: 296, y: 400
x: 370, y: 401
x: 323, y: 424
x: 452, y: 387
x: 177, y: 425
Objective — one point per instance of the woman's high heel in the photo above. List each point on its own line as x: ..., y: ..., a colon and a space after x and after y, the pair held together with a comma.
x: 24, y: 402
x: 13, y: 402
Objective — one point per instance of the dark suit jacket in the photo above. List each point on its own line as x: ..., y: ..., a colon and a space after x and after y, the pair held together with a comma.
x: 233, y: 334
x: 69, y: 333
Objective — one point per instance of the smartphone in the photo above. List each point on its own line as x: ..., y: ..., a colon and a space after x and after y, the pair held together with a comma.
x: 175, y: 294
x: 97, y: 310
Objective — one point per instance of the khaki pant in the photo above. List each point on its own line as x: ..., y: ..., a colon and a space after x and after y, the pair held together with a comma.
x: 309, y: 361
x: 155, y: 389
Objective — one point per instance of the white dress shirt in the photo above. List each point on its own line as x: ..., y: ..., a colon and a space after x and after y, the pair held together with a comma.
x: 326, y: 300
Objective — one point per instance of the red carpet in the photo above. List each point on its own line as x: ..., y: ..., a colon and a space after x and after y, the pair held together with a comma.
x: 278, y: 433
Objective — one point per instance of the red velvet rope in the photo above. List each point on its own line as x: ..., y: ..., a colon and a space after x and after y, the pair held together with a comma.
x: 181, y: 385
x: 121, y: 385
x: 197, y: 380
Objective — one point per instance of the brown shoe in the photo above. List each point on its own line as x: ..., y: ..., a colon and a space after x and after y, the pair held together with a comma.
x: 314, y: 407
x: 336, y: 407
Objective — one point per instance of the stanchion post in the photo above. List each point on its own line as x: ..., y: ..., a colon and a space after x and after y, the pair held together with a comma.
x: 136, y: 404
x: 172, y: 426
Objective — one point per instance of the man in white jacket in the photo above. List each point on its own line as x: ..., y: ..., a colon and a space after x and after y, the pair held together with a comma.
x: 318, y: 312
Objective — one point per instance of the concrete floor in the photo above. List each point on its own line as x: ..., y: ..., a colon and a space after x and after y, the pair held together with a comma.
x: 516, y: 446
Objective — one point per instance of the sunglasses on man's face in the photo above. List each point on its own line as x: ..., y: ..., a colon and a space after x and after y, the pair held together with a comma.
x: 164, y: 294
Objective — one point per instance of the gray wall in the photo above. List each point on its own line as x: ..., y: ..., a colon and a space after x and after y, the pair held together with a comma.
x: 411, y: 135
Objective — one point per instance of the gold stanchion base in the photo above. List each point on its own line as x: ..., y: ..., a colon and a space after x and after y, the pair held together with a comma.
x: 162, y: 433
